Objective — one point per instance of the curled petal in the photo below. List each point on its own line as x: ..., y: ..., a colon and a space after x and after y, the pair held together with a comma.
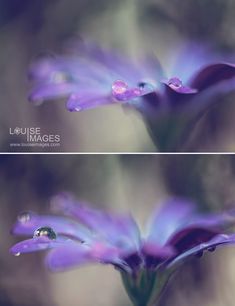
x: 213, y: 74
x: 178, y: 94
x: 218, y: 240
x: 189, y: 237
x: 176, y: 85
x: 200, y: 229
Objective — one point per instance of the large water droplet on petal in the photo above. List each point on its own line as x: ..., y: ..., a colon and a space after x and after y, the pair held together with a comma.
x: 175, y: 83
x: 46, y: 232
x: 24, y: 217
x: 119, y: 87
x: 17, y: 254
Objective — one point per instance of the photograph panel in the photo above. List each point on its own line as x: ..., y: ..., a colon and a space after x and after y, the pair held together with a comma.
x: 117, y: 230
x: 117, y: 76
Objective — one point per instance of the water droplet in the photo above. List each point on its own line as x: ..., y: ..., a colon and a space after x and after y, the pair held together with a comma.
x: 199, y: 254
x: 211, y: 249
x: 46, y: 232
x: 175, y: 83
x: 17, y: 254
x: 24, y: 217
x: 142, y: 85
x: 119, y: 87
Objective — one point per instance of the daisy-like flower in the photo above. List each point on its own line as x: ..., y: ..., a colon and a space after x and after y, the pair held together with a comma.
x: 169, y: 101
x: 84, y: 235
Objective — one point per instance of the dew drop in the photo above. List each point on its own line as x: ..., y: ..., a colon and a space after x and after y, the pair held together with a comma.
x: 211, y: 249
x: 46, y: 232
x: 199, y: 254
x: 17, y: 254
x: 175, y: 83
x: 142, y: 85
x: 119, y: 87
x: 72, y: 104
x: 24, y: 217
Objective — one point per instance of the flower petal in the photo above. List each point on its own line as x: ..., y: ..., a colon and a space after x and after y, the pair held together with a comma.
x: 87, y: 77
x: 87, y: 100
x: 171, y: 217
x: 65, y: 257
x: 218, y: 240
x: 36, y: 244
x: 178, y: 97
x: 155, y: 254
x: 120, y: 230
x: 61, y: 225
x: 175, y: 87
x: 212, y: 74
x: 50, y: 91
x: 191, y: 236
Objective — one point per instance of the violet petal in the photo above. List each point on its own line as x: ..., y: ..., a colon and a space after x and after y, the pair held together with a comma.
x: 36, y: 244
x: 50, y: 91
x: 120, y: 230
x: 218, y: 240
x: 191, y: 236
x: 155, y: 254
x: 171, y: 217
x: 60, y: 225
x: 212, y: 74
x: 84, y: 101
x: 65, y: 257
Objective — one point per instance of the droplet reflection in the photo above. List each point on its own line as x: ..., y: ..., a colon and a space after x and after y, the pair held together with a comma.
x: 46, y: 232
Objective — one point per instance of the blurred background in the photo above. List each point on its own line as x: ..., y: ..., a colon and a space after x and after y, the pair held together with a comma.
x: 120, y: 183
x: 32, y: 27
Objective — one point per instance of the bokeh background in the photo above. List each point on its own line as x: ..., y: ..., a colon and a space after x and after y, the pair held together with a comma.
x: 135, y: 183
x: 31, y: 27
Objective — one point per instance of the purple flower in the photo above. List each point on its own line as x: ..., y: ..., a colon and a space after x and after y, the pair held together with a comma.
x: 92, y: 77
x: 85, y: 235
x: 170, y: 102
